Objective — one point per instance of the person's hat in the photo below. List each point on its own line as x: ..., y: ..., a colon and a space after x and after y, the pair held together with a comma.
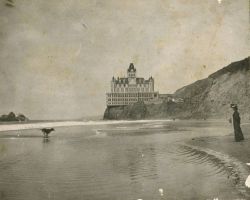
x: 233, y: 105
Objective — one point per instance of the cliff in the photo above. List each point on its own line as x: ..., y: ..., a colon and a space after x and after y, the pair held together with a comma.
x: 212, y: 96
x: 135, y: 111
x: 207, y: 98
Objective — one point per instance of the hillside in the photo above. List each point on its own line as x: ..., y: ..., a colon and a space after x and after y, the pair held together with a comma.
x: 207, y: 98
x: 212, y: 96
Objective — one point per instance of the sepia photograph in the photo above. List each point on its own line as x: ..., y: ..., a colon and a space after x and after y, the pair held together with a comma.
x: 124, y: 100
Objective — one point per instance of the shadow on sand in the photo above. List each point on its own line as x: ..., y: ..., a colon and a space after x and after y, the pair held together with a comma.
x: 20, y: 136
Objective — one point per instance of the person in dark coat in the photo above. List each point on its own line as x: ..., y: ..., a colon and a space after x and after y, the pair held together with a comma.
x: 238, y: 135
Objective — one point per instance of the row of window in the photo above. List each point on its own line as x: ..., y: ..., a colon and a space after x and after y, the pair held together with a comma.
x: 127, y: 86
x: 118, y: 103
x: 130, y: 95
x: 132, y: 89
x: 131, y: 99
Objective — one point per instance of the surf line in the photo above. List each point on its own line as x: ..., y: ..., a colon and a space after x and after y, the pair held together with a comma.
x: 236, y: 169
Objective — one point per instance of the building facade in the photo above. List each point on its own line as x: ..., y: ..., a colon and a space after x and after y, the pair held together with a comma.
x: 131, y: 89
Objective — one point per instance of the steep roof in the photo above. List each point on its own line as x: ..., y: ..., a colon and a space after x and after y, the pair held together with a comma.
x: 131, y: 68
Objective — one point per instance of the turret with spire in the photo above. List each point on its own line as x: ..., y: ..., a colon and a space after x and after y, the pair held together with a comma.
x: 131, y: 74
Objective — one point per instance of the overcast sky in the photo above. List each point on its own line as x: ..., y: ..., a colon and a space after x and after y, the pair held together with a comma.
x: 57, y: 57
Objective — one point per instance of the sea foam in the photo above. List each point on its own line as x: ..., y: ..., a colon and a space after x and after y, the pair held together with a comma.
x: 13, y: 127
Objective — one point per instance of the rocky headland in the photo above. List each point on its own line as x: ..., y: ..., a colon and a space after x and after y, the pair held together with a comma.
x: 206, y: 98
x: 13, y: 117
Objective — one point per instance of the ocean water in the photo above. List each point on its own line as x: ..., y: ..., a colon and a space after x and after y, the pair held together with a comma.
x: 146, y: 160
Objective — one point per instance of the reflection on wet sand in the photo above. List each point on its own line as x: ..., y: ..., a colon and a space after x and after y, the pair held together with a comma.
x: 107, y: 162
x: 45, y: 140
x: 19, y: 136
x: 222, y: 164
x: 138, y: 162
x: 142, y: 163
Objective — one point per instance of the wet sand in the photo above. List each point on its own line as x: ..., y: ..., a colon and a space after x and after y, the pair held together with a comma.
x: 222, y: 146
x: 225, y: 143
x: 15, y: 126
x: 138, y: 160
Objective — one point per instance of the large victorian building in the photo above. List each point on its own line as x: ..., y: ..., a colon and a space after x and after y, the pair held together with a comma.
x: 131, y: 89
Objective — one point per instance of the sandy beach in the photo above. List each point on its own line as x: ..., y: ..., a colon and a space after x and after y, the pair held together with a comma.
x: 226, y: 144
x: 222, y: 147
x: 147, y: 160
x: 221, y: 141
x: 25, y: 126
x: 39, y: 125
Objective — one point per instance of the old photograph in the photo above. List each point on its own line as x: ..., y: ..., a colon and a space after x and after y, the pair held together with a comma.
x: 124, y: 99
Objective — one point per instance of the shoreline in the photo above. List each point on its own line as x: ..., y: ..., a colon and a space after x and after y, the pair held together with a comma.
x: 39, y: 125
x: 225, y: 144
x: 215, y: 147
x: 36, y: 125
x: 233, y: 156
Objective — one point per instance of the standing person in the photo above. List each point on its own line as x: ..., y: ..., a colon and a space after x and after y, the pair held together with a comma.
x: 238, y: 135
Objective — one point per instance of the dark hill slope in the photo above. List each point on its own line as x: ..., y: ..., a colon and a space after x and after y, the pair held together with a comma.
x: 212, y: 96
x: 207, y: 98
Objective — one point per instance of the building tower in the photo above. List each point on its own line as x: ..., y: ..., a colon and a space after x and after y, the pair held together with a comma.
x: 131, y: 74
x: 113, y: 84
x: 151, y: 84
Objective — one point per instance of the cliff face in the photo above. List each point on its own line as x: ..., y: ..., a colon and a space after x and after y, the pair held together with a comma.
x: 212, y: 96
x: 207, y: 98
x: 135, y: 111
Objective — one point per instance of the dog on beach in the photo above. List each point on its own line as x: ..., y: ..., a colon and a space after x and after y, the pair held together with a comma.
x: 46, y: 131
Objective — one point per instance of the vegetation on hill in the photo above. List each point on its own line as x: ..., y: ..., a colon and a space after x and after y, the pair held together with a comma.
x: 207, y: 98
x: 13, y: 117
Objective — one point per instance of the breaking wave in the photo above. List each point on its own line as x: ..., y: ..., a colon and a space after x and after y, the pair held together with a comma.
x: 12, y: 127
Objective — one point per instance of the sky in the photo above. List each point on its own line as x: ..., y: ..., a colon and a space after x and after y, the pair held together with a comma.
x: 58, y: 56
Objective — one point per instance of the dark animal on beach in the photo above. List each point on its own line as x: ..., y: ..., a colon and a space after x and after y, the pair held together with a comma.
x: 46, y: 131
x: 238, y: 135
